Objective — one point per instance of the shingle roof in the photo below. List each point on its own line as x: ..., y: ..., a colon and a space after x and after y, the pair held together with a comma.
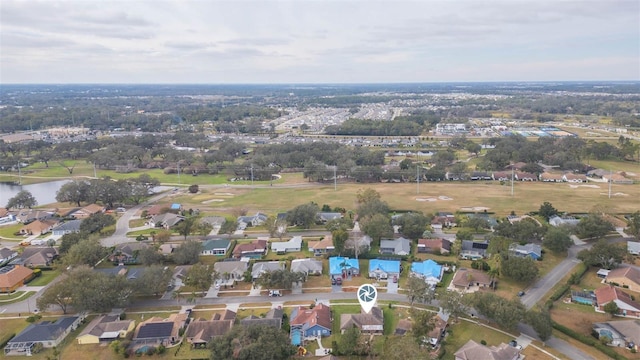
x: 72, y: 225
x: 319, y: 315
x: 106, y: 323
x: 44, y: 331
x: 155, y: 330
x: 375, y: 317
x: 257, y: 245
x: 306, y: 265
x: 628, y: 272
x: 609, y: 293
x: 11, y: 275
x: 463, y: 277
x: 215, y: 244
x: 474, y: 351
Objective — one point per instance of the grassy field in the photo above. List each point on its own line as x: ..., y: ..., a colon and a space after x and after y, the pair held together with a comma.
x: 45, y: 278
x: 8, y: 232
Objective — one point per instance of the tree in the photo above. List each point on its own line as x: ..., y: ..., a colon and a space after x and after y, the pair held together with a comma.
x: 557, y: 239
x: 367, y: 195
x: 96, y: 222
x: 149, y: 255
x: 454, y: 303
x: 519, y: 269
x: 418, y: 290
x: 498, y: 245
x: 507, y: 313
x: 412, y: 225
x: 541, y: 322
x: 279, y: 279
x: 603, y: 254
x: 634, y: 225
x: 153, y: 280
x: 73, y: 192
x: 422, y: 325
x: 593, y: 226
x: 277, y: 227
x: 477, y: 223
x: 59, y: 294
x: 352, y: 343
x: 473, y: 148
x: 377, y: 226
x: 85, y: 252
x: 303, y: 215
x: 141, y: 186
x: 188, y: 253
x: 186, y: 227
x: 203, y: 228
x: 68, y: 240
x: 402, y: 348
x: 547, y: 210
x: 611, y: 308
x: 464, y: 234
x: 252, y: 342
x: 200, y: 277
x: 23, y: 199
x: 161, y: 236
x: 340, y: 237
x: 228, y: 227
x: 372, y: 207
x: 194, y: 188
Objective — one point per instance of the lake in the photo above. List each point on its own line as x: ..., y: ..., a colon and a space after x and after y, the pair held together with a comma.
x: 45, y: 193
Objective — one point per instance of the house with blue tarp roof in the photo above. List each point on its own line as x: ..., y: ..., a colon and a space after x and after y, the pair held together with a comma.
x: 339, y: 266
x: 383, y: 269
x: 429, y: 270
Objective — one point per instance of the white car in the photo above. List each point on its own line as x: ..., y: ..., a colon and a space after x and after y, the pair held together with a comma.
x: 217, y: 286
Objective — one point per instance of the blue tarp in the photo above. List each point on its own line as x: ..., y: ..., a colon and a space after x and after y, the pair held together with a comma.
x: 338, y: 263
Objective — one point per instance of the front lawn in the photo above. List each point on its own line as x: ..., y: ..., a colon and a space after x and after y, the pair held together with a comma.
x: 464, y: 331
x: 45, y: 278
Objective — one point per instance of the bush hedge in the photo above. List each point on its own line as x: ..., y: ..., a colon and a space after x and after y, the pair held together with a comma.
x: 588, y: 340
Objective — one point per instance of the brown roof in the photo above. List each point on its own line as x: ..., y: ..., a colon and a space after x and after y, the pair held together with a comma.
x: 609, y: 293
x: 320, y: 315
x: 435, y: 243
x: 202, y: 331
x: 249, y: 247
x: 14, y: 276
x: 38, y: 226
x: 89, y: 210
x: 38, y: 255
x: 105, y: 323
x: 3, y: 212
x: 474, y: 351
x: 375, y: 317
x: 325, y: 243
x: 630, y: 273
x: 157, y: 209
x: 439, y: 325
x: 464, y: 277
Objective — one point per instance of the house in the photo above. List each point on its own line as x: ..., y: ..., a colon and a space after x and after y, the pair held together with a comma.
x: 255, y: 220
x: 127, y: 253
x: 429, y: 270
x: 307, y: 266
x: 230, y: 271
x: 453, y: 176
x: 105, y: 328
x: 633, y: 247
x: 266, y: 266
x: 306, y: 323
x: 357, y: 240
x: 166, y: 249
x: 502, y: 176
x: 14, y: 276
x: 87, y: 211
x: 371, y: 323
x: 434, y: 246
x: 627, y: 307
x: 283, y: 247
x: 626, y: 277
x: 624, y: 333
x: 175, y: 207
x: 343, y: 267
x: 474, y: 351
x: 71, y: 226
x: 470, y: 280
x: 525, y: 176
x: 325, y: 217
x: 440, y: 325
x: 216, y: 222
x: 583, y: 297
x: 200, y: 331
x: 7, y: 254
x: 324, y: 246
x: 157, y: 209
x: 47, y: 333
x: 617, y: 178
x: 404, y: 326
x: 383, y: 269
x: 255, y: 249
x: 215, y: 247
x: 37, y: 256
x: 480, y: 175
x: 166, y: 220
x: 551, y: 177
x: 272, y: 318
x: 26, y: 216
x: 400, y: 246
x: 38, y: 227
x: 556, y: 220
x: 574, y: 178
x: 157, y: 330
x: 130, y: 273
x: 474, y: 250
x: 533, y: 251
x: 179, y: 273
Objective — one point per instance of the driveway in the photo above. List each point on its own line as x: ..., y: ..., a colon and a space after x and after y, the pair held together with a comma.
x: 392, y: 288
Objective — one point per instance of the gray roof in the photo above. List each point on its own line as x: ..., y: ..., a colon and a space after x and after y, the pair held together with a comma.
x: 399, y: 245
x: 213, y: 220
x: 215, y: 244
x: 306, y: 265
x: 273, y: 318
x: 155, y: 330
x: 260, y: 267
x: 222, y: 267
x: 72, y: 225
x: 44, y: 331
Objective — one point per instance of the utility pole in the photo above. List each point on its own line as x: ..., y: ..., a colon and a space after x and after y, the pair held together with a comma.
x: 95, y: 175
x: 610, y: 182
x: 512, y: 180
x: 335, y: 178
x: 179, y: 182
x: 418, y: 178
x: 19, y: 174
x: 251, y: 174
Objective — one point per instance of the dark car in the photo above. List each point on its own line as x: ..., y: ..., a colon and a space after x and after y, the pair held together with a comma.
x: 521, y: 294
x: 333, y: 281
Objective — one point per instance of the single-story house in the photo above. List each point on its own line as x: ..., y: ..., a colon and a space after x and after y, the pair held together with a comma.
x: 480, y: 175
x: 551, y: 177
x: 215, y: 247
x: 7, y: 254
x: 371, y: 323
x: 105, y: 328
x: 325, y: 217
x: 400, y: 246
x: 533, y: 251
x: 157, y: 330
x: 166, y: 220
x: 255, y: 220
x: 307, y: 266
x: 633, y: 247
x: 127, y: 253
x: 87, y: 211
x: 47, y: 333
x: 307, y: 322
x: 157, y: 209
x: 200, y: 332
x: 323, y: 246
x: 36, y: 256
x: 383, y: 269
x: 216, y: 222
x: 255, y: 249
x: 470, y: 280
x: 474, y: 250
x: 501, y: 175
x: 230, y: 271
x: 130, y: 273
x: 343, y: 266
x: 525, y: 176
x: 71, y: 226
x: 282, y: 247
x: 14, y: 276
x: 38, y: 227
x: 265, y: 266
x: 440, y: 325
x: 429, y: 270
x: 272, y: 318
x: 28, y: 215
x: 574, y: 178
x: 628, y: 276
x: 627, y: 307
x: 474, y: 351
x: 434, y: 246
x: 167, y: 249
x: 625, y: 333
x: 556, y: 220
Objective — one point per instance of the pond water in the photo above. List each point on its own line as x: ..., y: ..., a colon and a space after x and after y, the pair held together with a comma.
x: 45, y: 193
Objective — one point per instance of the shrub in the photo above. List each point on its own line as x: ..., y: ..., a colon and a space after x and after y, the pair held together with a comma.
x: 588, y: 340
x: 483, y: 342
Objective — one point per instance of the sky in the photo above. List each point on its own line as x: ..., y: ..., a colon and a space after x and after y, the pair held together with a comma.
x: 256, y: 42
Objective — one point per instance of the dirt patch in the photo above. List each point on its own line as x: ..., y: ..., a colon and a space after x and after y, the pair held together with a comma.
x: 577, y: 317
x: 587, y: 186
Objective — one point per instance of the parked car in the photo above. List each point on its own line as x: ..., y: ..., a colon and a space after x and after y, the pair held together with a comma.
x: 395, y: 278
x: 521, y: 294
x: 274, y: 293
x: 333, y: 281
x: 339, y: 281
